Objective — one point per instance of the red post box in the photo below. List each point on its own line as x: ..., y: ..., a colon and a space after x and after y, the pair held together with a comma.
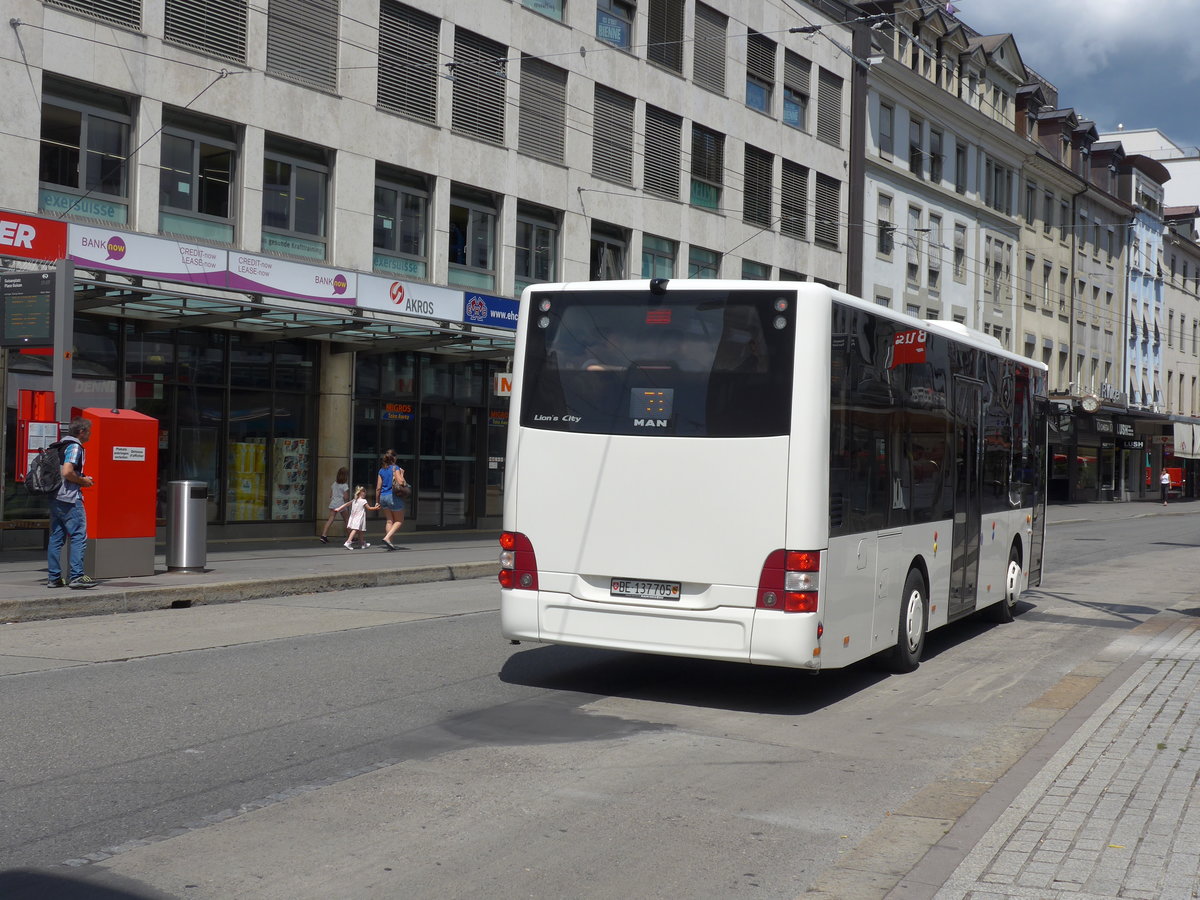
x: 122, y: 457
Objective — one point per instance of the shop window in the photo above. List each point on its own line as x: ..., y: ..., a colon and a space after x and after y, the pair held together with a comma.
x: 295, y: 185
x: 195, y: 183
x: 401, y: 223
x: 703, y: 263
x: 201, y: 357
x: 536, y: 258
x: 658, y: 257
x: 551, y: 8
x: 83, y: 165
x: 472, y: 240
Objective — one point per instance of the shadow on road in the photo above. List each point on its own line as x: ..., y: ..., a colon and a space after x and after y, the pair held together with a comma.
x: 30, y: 884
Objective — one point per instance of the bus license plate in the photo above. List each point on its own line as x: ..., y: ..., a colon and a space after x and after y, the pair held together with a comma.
x: 645, y: 590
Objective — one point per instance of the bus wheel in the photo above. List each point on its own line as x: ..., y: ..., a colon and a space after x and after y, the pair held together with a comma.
x: 1002, y: 611
x: 914, y: 622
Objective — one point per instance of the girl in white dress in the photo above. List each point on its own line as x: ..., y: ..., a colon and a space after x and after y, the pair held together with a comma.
x: 357, y: 523
x: 339, y: 495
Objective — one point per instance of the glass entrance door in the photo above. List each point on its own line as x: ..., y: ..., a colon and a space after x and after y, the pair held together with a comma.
x: 446, y: 480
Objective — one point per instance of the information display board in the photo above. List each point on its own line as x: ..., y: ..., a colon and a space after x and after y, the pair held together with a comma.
x: 27, y: 309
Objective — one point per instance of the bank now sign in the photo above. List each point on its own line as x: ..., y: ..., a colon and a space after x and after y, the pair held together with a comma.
x: 32, y: 237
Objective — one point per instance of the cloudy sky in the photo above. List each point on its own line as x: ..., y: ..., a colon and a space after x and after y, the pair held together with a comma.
x: 1135, y: 62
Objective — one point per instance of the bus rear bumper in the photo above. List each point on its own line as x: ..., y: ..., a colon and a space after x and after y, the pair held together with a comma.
x: 733, y: 634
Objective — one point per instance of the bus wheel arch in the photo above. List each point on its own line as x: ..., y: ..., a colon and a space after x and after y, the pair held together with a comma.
x: 913, y: 624
x: 1003, y: 610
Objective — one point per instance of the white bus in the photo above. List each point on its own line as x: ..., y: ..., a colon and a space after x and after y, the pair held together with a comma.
x: 766, y: 472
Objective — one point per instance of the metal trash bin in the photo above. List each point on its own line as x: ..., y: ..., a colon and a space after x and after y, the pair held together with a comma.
x: 187, y: 525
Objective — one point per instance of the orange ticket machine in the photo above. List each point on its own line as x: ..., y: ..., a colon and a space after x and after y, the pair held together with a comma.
x: 122, y: 457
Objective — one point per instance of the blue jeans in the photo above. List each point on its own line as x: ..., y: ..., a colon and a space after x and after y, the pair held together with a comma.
x: 66, y: 518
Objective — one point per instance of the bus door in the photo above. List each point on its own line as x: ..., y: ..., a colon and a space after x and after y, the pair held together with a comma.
x: 964, y: 558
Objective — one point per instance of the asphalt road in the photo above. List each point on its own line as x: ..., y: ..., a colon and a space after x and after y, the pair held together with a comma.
x: 391, y: 744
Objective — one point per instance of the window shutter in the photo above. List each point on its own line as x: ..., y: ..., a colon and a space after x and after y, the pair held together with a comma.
x: 408, y: 61
x: 543, y: 110
x: 708, y: 61
x: 664, y: 44
x: 612, y: 136
x: 216, y: 27
x: 760, y: 57
x: 479, y: 85
x: 756, y: 201
x: 828, y: 211
x: 796, y: 71
x: 118, y: 12
x: 829, y: 107
x: 793, y: 198
x: 664, y: 138
x: 302, y: 41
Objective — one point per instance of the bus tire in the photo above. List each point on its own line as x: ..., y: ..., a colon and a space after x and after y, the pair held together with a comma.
x: 1003, y: 610
x: 914, y: 623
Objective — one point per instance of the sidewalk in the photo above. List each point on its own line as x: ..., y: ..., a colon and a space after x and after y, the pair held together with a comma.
x: 248, y: 569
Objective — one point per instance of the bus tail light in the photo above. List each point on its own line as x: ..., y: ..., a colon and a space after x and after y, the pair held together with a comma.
x: 518, y: 565
x: 789, y: 581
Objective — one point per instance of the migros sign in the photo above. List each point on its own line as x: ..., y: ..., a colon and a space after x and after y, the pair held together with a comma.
x: 32, y: 237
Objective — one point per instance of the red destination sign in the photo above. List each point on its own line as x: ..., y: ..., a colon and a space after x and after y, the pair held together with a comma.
x: 32, y: 237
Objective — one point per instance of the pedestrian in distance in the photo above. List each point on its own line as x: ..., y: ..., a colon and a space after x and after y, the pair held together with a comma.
x: 339, y: 496
x: 388, y: 485
x: 357, y: 523
x: 1164, y: 485
x: 67, y: 515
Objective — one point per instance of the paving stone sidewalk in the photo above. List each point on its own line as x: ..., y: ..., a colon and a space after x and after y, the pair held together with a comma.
x: 1116, y: 812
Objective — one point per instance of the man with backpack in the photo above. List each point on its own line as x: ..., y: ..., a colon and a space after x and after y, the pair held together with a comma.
x: 67, y: 516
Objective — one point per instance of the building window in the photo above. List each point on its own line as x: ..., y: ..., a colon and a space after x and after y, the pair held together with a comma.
x: 408, y: 61
x: 709, y: 51
x: 1064, y: 220
x: 479, y: 69
x: 887, y: 126
x: 610, y: 247
x: 912, y: 244
x: 703, y: 263
x: 916, y: 157
x: 295, y: 181
x: 542, y: 126
x: 886, y: 229
x: 960, y: 169
x: 828, y: 211
x: 664, y: 144
x: 612, y: 136
x: 195, y: 182
x: 551, y: 8
x: 793, y: 201
x: 1030, y: 210
x: 218, y: 29
x: 708, y: 167
x: 537, y: 246
x: 664, y: 33
x: 934, y: 260
x: 83, y: 162
x: 1047, y: 212
x: 755, y: 271
x: 760, y: 71
x: 401, y: 223
x: 756, y: 205
x: 960, y: 252
x: 829, y: 107
x: 614, y: 22
x: 658, y: 257
x: 796, y: 92
x: 116, y: 12
x: 472, y: 240
x: 935, y: 156
x: 302, y: 41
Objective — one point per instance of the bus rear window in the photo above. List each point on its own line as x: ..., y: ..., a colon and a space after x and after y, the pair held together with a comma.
x: 685, y: 363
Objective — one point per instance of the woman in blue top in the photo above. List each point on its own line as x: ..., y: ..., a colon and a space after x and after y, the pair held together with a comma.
x: 392, y: 505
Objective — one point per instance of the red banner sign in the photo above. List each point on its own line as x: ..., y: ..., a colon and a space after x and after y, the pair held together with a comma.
x: 32, y: 237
